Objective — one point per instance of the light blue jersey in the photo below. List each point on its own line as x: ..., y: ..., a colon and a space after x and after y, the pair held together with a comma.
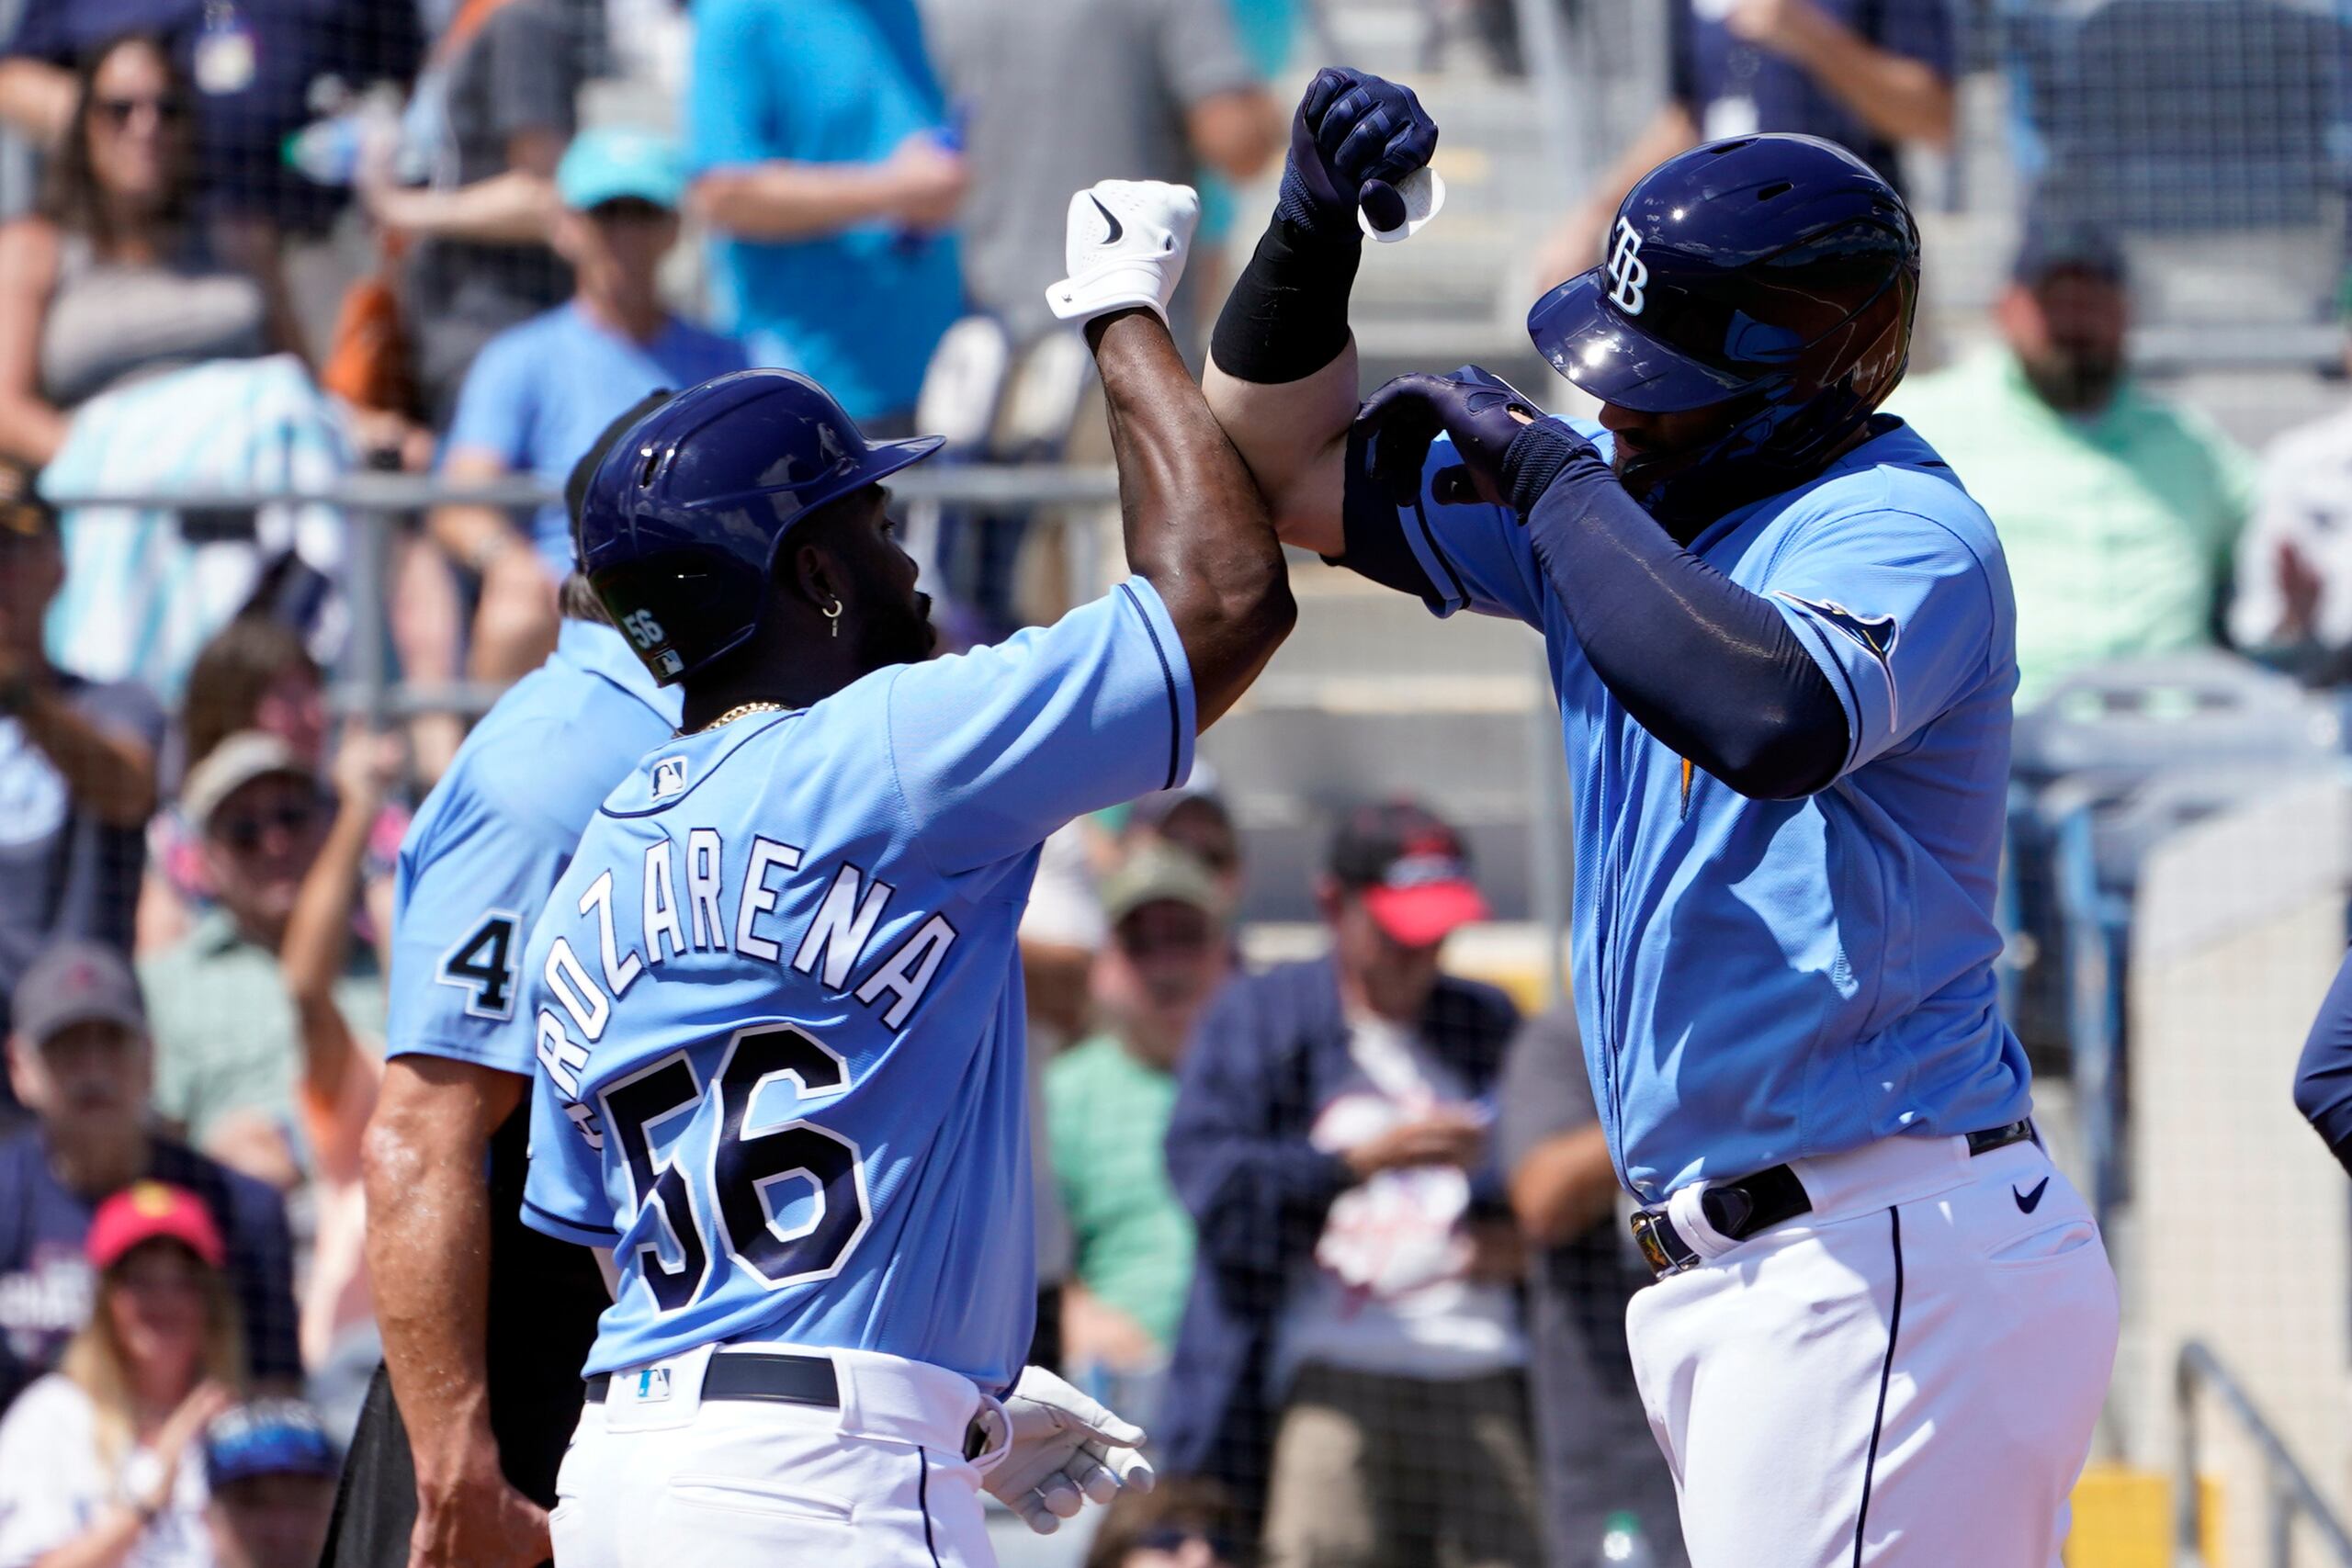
x: 496, y: 833
x: 1760, y: 980
x: 777, y: 998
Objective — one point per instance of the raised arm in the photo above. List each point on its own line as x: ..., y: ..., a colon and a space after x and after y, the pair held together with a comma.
x: 1282, y: 372
x: 1196, y: 529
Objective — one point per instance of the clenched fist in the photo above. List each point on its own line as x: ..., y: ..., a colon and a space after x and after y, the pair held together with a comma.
x: 1125, y: 248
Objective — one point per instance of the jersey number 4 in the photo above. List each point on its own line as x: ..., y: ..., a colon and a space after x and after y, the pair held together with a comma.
x: 743, y: 1166
x: 482, y: 966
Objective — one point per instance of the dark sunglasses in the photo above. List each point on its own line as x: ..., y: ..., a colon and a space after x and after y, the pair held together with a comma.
x: 118, y: 111
x: 245, y: 831
x: 630, y: 209
x: 1171, y: 1537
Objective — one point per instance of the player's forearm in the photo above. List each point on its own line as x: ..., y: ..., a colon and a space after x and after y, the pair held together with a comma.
x: 1196, y: 529
x: 1282, y: 376
x: 783, y: 200
x: 1895, y: 95
x: 428, y: 1256
x: 318, y: 944
x: 1704, y: 665
x: 1563, y: 1187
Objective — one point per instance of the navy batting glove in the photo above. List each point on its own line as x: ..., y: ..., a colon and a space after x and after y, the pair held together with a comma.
x: 1483, y: 414
x: 1354, y: 136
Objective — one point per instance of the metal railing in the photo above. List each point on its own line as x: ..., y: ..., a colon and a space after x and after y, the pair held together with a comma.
x: 2288, y: 1494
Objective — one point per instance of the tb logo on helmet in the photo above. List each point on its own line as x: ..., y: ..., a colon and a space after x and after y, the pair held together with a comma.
x: 1626, y: 272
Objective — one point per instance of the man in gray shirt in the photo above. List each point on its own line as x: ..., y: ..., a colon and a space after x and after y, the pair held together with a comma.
x: 1599, y: 1458
x: 1054, y: 95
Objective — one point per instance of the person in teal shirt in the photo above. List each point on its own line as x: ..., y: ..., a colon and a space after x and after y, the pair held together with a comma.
x: 824, y: 162
x: 1107, y: 1103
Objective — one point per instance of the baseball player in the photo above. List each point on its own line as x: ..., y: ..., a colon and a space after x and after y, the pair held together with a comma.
x: 1782, y: 637
x: 485, y: 1323
x: 777, y: 996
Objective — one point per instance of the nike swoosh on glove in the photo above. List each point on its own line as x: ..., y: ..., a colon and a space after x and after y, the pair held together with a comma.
x: 1124, y: 246
x: 1056, y: 1449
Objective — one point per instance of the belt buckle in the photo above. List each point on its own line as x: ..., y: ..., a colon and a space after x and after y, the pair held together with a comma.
x: 1652, y: 1234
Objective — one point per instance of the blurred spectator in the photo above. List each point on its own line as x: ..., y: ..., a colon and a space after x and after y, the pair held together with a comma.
x: 2118, y: 513
x: 1600, y: 1460
x: 540, y: 394
x: 1107, y: 1101
x: 1053, y: 97
x: 269, y: 1468
x: 260, y: 72
x: 822, y: 158
x: 229, y: 1052
x: 100, y: 1461
x: 1177, y: 1524
x: 1193, y: 818
x: 338, y: 1084
x: 2292, y: 598
x: 113, y: 278
x: 1866, y: 73
x: 81, y: 1058
x: 1354, y: 1310
x: 78, y: 767
x: 490, y: 117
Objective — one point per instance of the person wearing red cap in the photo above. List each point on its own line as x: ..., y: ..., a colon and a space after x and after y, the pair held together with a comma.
x: 1351, y: 1351
x: 100, y: 1462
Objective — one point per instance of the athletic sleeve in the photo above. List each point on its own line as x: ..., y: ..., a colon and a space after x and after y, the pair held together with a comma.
x: 1452, y: 556
x: 473, y: 877
x: 993, y: 750
x: 732, y: 117
x: 1898, y: 609
x: 563, y: 1195
x: 496, y: 406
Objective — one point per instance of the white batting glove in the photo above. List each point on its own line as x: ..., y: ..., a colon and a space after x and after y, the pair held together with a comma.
x: 1056, y: 1451
x: 1126, y: 247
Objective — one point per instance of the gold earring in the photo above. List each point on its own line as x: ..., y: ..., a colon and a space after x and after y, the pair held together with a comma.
x: 833, y: 615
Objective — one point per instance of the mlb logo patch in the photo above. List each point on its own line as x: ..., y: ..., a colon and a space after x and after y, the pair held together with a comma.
x: 668, y: 661
x: 652, y: 1385
x: 669, y: 777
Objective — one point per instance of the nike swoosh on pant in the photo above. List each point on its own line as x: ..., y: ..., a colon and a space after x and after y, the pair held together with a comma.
x: 2028, y: 1201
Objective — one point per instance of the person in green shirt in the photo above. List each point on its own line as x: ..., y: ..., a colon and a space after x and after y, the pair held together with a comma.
x: 228, y: 1054
x: 1107, y: 1103
x: 2118, y: 513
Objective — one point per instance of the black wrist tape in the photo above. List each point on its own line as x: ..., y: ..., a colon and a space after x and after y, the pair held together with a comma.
x: 1535, y: 458
x: 1287, y: 316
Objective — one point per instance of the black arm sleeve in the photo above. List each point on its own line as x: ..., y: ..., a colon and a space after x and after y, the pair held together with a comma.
x: 1287, y: 316
x: 1707, y: 667
x: 2324, y: 1077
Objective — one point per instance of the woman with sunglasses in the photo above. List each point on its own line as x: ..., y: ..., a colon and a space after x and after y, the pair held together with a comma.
x: 101, y: 1462
x: 111, y: 278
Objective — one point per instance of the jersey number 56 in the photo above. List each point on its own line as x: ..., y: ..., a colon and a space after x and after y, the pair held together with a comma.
x: 743, y: 1166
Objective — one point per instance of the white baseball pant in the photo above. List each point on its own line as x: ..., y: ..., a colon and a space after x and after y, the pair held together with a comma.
x: 1907, y: 1377
x: 658, y: 1477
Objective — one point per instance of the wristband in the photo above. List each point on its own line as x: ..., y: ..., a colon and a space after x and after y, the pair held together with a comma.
x: 1287, y: 316
x: 1536, y: 457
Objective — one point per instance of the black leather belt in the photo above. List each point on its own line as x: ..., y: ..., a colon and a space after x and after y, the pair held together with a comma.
x: 1742, y: 1208
x: 746, y: 1374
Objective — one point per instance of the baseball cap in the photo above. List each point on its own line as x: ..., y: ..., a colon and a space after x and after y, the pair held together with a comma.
x: 1411, y: 868
x: 76, y: 982
x: 613, y: 163
x: 268, y: 1437
x: 2065, y: 245
x: 151, y: 1211
x: 1157, y: 873
x: 229, y: 767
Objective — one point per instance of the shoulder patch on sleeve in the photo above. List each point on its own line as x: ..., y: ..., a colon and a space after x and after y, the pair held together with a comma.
x: 1875, y: 633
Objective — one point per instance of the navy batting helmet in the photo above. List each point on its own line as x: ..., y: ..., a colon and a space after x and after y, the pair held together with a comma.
x: 681, y: 520
x: 1778, y: 274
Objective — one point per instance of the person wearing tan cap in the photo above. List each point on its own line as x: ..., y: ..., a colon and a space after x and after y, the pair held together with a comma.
x: 77, y: 765
x: 101, y: 1462
x: 228, y: 1054
x: 80, y: 1057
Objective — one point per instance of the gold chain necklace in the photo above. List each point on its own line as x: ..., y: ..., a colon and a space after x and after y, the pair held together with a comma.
x: 741, y: 710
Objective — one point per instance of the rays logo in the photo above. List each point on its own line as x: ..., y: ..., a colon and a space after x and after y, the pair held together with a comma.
x: 1628, y: 275
x: 1875, y: 633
